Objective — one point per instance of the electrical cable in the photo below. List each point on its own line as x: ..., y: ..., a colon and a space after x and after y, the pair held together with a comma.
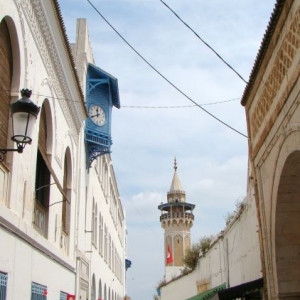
x: 130, y: 106
x: 203, y: 41
x: 160, y: 74
x: 179, y: 106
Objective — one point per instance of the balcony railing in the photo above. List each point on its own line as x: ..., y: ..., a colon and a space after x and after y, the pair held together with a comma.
x: 40, y: 218
x: 177, y: 215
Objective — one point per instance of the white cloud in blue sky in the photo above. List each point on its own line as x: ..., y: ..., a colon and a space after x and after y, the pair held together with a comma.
x: 212, y: 159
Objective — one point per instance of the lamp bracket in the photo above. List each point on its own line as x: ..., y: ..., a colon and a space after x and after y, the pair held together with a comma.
x: 4, y: 151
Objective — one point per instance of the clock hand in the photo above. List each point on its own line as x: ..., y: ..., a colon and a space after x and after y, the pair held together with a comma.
x: 96, y: 115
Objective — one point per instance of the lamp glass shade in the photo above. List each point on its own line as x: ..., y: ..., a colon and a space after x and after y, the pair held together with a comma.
x: 22, y: 123
x: 24, y: 113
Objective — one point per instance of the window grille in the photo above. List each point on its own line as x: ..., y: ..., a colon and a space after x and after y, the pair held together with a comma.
x: 3, y: 283
x: 38, y: 291
x: 63, y: 296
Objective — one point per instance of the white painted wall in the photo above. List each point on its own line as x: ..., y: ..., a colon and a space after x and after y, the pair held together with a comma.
x: 172, y: 272
x: 25, y: 255
x: 234, y: 257
x: 181, y: 288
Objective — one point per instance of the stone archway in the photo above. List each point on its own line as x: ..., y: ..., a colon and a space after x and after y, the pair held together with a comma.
x: 287, y: 229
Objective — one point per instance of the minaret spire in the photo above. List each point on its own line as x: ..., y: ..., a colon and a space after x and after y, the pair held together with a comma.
x: 176, y: 192
x: 176, y: 219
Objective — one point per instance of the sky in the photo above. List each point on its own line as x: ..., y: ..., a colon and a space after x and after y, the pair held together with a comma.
x: 158, y: 119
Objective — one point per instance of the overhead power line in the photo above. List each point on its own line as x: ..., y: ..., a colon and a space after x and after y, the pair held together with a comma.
x: 203, y: 41
x: 179, y: 106
x: 160, y: 74
x: 130, y: 106
x: 127, y: 106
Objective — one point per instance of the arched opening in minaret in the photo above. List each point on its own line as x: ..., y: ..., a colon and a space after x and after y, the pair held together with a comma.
x: 178, y: 250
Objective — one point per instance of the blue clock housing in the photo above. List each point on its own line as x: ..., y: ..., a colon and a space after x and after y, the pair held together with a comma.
x: 101, y: 91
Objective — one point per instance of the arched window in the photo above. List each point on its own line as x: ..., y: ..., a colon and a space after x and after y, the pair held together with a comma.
x: 100, y: 290
x: 93, y: 291
x: 6, y: 63
x: 42, y: 181
x: 113, y: 256
x: 100, y: 233
x: 105, y: 292
x: 105, y: 181
x: 178, y: 250
x: 66, y: 201
x: 6, y: 74
x: 96, y: 225
x: 109, y: 251
x: 93, y: 221
x: 105, y: 242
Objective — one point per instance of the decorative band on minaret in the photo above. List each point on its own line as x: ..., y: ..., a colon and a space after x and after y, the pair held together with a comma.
x: 176, y: 219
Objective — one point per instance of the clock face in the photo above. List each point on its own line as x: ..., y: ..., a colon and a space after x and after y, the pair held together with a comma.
x: 97, y: 114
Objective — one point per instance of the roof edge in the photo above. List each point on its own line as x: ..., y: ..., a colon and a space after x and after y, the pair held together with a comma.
x: 72, y: 61
x: 264, y: 47
x: 113, y: 81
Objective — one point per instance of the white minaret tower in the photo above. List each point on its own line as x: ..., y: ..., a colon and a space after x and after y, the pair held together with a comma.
x: 176, y: 219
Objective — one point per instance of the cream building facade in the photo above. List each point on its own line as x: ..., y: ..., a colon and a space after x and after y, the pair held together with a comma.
x: 62, y: 226
x: 271, y: 100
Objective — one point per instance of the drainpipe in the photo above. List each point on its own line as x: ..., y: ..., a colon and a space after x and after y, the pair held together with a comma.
x: 227, y: 262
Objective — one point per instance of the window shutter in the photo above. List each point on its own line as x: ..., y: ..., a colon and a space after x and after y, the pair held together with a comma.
x: 5, y: 81
x: 43, y: 150
x: 43, y: 133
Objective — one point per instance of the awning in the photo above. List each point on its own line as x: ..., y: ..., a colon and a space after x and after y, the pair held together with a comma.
x: 242, y: 290
x: 114, y: 88
x: 209, y: 294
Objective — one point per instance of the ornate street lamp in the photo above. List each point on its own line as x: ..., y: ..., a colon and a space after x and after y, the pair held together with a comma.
x: 24, y: 113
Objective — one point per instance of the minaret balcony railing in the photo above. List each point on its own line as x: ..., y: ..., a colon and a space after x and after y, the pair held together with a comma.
x: 176, y: 192
x: 177, y: 215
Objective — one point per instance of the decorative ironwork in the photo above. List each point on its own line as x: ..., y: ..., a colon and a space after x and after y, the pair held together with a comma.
x: 97, y: 144
x: 177, y: 215
x: 3, y: 284
x: 38, y: 291
x: 4, y: 151
x: 40, y: 218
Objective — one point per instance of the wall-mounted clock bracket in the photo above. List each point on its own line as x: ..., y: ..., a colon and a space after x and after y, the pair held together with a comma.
x: 93, y: 83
